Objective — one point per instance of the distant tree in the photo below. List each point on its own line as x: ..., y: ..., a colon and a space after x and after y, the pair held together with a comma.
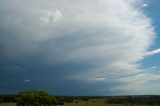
x: 85, y: 99
x: 69, y: 99
x: 1, y: 100
x: 76, y: 101
x: 35, y: 98
x: 60, y: 101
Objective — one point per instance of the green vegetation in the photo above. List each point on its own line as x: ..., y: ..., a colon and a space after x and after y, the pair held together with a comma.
x: 41, y: 98
x: 7, y: 104
x: 35, y: 98
x: 98, y: 102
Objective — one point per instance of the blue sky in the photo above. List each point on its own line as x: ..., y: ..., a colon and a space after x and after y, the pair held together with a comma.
x: 91, y: 47
x: 151, y: 11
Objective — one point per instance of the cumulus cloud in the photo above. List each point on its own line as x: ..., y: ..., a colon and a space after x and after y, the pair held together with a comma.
x: 110, y: 37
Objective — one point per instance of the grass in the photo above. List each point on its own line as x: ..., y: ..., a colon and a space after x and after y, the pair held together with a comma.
x: 91, y: 102
x: 96, y: 102
x: 7, y: 104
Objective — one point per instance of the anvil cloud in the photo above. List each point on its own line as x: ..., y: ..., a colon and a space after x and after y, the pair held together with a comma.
x: 57, y: 44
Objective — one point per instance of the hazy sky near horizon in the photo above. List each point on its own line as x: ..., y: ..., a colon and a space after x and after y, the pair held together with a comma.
x: 80, y: 47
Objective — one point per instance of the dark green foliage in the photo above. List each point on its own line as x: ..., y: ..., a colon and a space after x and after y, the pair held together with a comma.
x: 60, y: 101
x: 1, y: 100
x: 85, y: 99
x: 35, y: 98
x: 76, y: 101
x: 69, y: 99
x: 143, y: 100
x: 7, y: 98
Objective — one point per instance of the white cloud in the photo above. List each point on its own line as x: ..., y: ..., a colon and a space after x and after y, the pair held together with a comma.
x: 154, y: 67
x: 140, y: 83
x: 97, y: 79
x: 50, y: 16
x: 157, y: 51
x: 145, y: 5
x: 27, y: 80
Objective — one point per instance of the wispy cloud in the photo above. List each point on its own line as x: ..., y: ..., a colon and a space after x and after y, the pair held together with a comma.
x: 157, y: 51
x: 145, y: 5
x: 27, y: 80
x: 139, y: 83
x: 154, y: 67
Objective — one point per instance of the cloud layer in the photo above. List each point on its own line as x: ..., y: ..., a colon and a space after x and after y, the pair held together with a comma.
x: 91, y: 42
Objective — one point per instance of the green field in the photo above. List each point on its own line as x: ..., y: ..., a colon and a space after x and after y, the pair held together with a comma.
x: 7, y: 104
x: 96, y: 102
x: 91, y: 102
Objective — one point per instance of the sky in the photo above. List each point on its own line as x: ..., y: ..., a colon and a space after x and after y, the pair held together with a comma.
x: 80, y: 47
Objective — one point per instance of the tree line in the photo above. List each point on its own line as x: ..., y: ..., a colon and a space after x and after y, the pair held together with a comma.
x: 143, y: 100
x: 7, y: 98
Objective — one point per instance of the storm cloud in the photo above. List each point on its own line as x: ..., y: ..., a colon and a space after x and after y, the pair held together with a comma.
x: 75, y: 47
